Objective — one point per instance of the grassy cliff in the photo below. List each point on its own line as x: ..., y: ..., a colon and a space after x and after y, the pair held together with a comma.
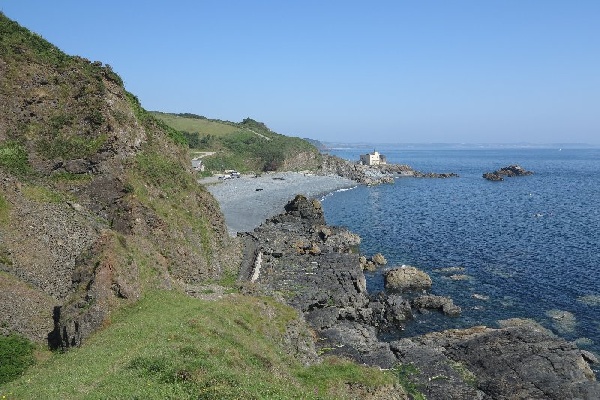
x: 97, y: 198
x: 246, y: 146
x: 104, y: 231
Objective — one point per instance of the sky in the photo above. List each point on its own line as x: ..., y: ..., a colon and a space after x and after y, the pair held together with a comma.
x: 398, y: 71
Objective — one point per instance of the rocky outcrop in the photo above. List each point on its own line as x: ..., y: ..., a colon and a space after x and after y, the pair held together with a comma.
x: 521, y: 360
x: 375, y: 174
x: 441, y: 303
x: 371, y: 264
x: 328, y: 287
x: 407, y: 278
x: 510, y: 171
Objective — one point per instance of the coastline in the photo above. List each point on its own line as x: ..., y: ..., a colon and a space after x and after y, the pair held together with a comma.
x: 248, y: 201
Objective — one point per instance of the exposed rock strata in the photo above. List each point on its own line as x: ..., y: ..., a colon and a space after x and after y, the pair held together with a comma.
x: 517, y: 361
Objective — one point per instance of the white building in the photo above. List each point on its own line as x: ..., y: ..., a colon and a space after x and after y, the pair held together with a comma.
x: 373, y: 158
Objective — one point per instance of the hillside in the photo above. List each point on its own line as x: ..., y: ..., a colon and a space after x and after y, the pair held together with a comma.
x: 106, y: 237
x: 246, y: 146
x: 97, y: 198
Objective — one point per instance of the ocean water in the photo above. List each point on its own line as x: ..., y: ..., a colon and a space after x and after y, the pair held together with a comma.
x: 527, y: 247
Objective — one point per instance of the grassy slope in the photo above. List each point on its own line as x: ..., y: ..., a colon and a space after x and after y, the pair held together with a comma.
x: 169, y: 345
x: 246, y: 146
x: 204, y: 126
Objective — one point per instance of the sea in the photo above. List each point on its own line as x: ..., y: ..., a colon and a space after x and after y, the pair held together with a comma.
x: 526, y: 247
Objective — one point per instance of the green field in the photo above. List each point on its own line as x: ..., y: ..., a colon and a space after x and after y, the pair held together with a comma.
x: 201, y: 125
x: 171, y: 346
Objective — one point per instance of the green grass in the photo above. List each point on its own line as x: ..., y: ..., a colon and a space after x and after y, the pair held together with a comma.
x: 203, y: 126
x: 16, y: 355
x: 169, y: 345
x: 163, y: 172
x: 404, y: 373
x: 42, y: 194
x: 13, y: 158
x: 245, y: 146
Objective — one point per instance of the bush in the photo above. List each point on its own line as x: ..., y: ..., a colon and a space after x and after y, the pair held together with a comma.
x: 16, y: 355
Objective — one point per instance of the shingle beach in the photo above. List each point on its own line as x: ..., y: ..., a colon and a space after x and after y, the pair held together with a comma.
x: 248, y: 201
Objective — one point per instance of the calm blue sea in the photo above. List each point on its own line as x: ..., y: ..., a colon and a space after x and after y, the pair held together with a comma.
x: 531, y: 244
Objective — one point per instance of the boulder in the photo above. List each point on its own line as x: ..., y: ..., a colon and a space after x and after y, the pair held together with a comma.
x: 407, y: 278
x: 443, y: 304
x: 304, y: 208
x: 379, y: 259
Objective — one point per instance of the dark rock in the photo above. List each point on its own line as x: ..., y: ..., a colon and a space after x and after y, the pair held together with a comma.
x: 510, y: 171
x: 389, y: 311
x: 520, y: 361
x: 372, y: 174
x: 328, y: 287
x: 306, y: 209
x: 358, y: 342
x: 443, y: 304
x: 322, y: 318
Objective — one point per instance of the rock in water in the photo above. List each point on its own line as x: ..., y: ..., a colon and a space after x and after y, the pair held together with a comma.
x: 511, y: 170
x: 444, y: 304
x: 407, y: 278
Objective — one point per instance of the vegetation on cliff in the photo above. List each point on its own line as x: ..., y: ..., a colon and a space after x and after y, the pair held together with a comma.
x: 98, y: 202
x: 246, y: 146
x: 103, y: 228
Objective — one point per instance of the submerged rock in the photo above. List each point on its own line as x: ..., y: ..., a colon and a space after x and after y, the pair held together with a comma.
x: 562, y: 321
x: 443, y: 304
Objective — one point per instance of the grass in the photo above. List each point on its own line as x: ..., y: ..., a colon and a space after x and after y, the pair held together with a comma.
x: 245, y: 146
x: 13, y: 158
x: 404, y: 374
x: 70, y: 147
x: 42, y: 194
x: 169, y: 345
x: 203, y: 126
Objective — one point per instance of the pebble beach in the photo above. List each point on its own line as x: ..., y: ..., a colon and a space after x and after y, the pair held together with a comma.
x: 248, y: 201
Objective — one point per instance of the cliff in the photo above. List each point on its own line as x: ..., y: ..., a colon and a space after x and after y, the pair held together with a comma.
x: 97, y: 199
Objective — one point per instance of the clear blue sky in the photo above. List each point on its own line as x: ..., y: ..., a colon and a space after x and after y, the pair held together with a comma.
x: 380, y: 71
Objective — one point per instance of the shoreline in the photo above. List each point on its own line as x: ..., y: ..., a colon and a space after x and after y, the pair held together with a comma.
x: 248, y: 201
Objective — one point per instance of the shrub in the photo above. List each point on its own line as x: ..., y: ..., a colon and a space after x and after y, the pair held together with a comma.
x: 16, y: 355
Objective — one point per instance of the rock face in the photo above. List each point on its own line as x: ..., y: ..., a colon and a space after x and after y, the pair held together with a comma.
x: 518, y: 361
x: 522, y: 360
x: 407, y: 278
x: 510, y: 171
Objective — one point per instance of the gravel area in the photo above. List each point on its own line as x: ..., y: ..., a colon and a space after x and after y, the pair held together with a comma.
x: 248, y: 201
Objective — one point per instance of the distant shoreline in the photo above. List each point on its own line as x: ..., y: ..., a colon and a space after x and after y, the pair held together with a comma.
x: 246, y: 202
